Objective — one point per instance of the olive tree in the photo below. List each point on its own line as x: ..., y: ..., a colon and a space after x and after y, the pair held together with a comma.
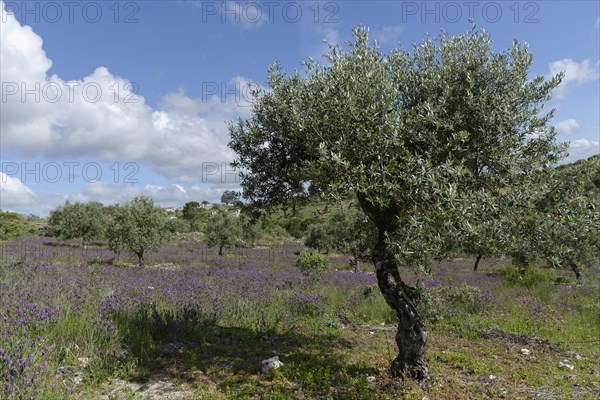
x: 193, y: 213
x: 352, y: 233
x: 230, y: 197
x: 348, y: 231
x: 319, y: 237
x: 428, y: 140
x: 86, y: 221
x: 562, y: 217
x: 138, y: 226
x: 222, y: 230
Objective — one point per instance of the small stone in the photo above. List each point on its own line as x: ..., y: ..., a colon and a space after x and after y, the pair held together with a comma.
x: 565, y: 364
x: 578, y: 357
x: 84, y: 361
x: 334, y: 324
x: 271, y: 363
x: 525, y: 352
x: 371, y: 332
x: 492, y: 377
x: 121, y: 353
x: 371, y: 379
x: 172, y: 348
x: 69, y: 373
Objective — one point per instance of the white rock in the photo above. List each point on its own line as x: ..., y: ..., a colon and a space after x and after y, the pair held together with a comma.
x: 525, y: 352
x: 271, y: 363
x: 565, y: 364
x: 370, y: 379
x: 492, y: 377
x: 577, y: 356
x: 69, y: 373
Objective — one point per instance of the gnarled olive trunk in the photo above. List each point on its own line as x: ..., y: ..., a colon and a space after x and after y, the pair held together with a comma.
x: 355, y: 263
x: 140, y: 255
x: 575, y: 269
x: 477, y: 261
x: 411, y: 336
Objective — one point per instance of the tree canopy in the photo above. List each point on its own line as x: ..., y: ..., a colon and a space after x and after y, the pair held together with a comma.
x: 430, y: 141
x: 222, y: 230
x: 138, y: 226
x: 13, y: 225
x: 230, y: 197
x: 86, y: 221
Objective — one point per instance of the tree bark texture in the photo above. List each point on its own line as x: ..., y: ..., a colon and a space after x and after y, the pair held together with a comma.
x: 477, y: 261
x: 411, y: 336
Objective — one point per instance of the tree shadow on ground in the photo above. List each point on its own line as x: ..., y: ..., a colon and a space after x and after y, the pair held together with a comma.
x: 233, y: 355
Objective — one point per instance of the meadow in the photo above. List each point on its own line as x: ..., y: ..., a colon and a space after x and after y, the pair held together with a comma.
x: 83, y: 323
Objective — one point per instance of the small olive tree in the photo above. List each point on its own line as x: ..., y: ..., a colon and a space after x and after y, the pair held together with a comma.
x: 86, y: 221
x: 319, y: 237
x: 561, y: 220
x: 347, y: 231
x: 138, y: 226
x: 194, y: 214
x: 353, y: 233
x: 418, y: 137
x: 222, y: 230
x: 230, y: 197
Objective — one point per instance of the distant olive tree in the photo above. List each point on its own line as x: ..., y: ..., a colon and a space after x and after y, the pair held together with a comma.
x: 85, y: 221
x: 347, y: 231
x: 230, y: 197
x: 353, y: 233
x: 319, y: 237
x: 194, y: 214
x: 13, y: 225
x: 561, y: 223
x: 251, y: 229
x: 416, y: 136
x: 222, y: 230
x: 138, y: 226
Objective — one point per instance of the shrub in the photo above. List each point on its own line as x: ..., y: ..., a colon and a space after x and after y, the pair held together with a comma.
x: 561, y: 280
x: 436, y: 304
x: 311, y: 263
x: 527, y: 276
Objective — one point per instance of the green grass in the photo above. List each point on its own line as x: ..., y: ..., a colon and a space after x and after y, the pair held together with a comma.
x: 330, y: 353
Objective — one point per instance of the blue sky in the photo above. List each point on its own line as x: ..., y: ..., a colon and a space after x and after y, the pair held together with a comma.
x: 106, y: 100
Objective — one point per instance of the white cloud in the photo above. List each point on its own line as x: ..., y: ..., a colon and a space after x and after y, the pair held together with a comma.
x: 575, y: 73
x: 171, y: 195
x: 582, y: 148
x: 388, y: 34
x: 101, y: 116
x: 567, y: 126
x: 14, y: 195
x: 17, y: 197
